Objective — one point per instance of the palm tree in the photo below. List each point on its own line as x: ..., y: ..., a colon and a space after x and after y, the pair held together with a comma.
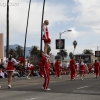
x: 27, y: 27
x: 7, y: 37
x: 70, y: 54
x: 74, y: 44
x: 41, y: 28
x: 63, y: 53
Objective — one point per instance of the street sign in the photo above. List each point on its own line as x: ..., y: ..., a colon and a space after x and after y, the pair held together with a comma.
x: 60, y: 43
x: 97, y: 53
x: 85, y: 57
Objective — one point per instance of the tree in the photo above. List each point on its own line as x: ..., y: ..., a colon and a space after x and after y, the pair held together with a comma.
x: 87, y: 51
x: 34, y: 55
x: 70, y: 54
x: 63, y: 53
x: 19, y: 51
x: 34, y: 51
x: 74, y: 44
x: 13, y: 52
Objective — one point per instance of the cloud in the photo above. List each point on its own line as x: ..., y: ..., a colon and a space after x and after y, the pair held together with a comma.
x: 18, y: 18
x: 88, y: 13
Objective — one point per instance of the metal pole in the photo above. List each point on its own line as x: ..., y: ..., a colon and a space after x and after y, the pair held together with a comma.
x: 27, y: 27
x: 41, y: 28
x: 7, y: 37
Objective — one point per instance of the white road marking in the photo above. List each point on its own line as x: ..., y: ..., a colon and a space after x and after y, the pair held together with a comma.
x: 82, y: 87
x: 31, y: 99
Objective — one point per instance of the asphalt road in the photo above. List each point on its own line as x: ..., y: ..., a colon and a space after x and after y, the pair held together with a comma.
x: 61, y: 89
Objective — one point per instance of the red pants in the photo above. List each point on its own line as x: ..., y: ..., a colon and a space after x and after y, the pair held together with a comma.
x: 73, y: 74
x: 57, y: 72
x: 97, y: 72
x: 41, y: 72
x: 46, y: 78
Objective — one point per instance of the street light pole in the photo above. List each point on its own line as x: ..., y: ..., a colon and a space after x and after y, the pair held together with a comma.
x: 60, y: 38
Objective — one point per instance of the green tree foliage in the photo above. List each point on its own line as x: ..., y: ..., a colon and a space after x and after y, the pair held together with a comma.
x: 19, y: 51
x: 87, y: 51
x: 70, y: 54
x: 74, y: 44
x: 63, y: 53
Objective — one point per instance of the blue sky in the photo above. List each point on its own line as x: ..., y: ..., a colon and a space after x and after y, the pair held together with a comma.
x: 81, y: 16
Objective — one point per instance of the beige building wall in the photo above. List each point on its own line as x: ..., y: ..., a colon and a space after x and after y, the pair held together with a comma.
x: 1, y: 46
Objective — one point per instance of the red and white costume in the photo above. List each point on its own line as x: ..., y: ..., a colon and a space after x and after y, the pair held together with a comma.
x: 10, y: 64
x: 28, y: 66
x: 46, y: 37
x: 82, y: 67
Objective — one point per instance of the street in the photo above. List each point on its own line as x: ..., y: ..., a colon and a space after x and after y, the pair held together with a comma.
x: 61, y: 89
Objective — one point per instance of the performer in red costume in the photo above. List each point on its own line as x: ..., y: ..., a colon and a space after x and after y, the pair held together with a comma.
x: 29, y: 69
x: 82, y: 68
x: 72, y: 68
x: 96, y: 68
x: 10, y: 68
x: 46, y: 69
x: 41, y: 69
x: 57, y: 69
x: 46, y: 37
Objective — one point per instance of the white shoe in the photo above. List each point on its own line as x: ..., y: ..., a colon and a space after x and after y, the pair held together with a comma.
x: 29, y: 78
x: 9, y: 86
x: 82, y: 79
x: 47, y: 89
x: 59, y: 76
x: 0, y: 86
x: 26, y: 76
x: 42, y: 87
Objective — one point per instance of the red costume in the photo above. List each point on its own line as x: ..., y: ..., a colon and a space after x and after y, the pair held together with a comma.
x: 41, y: 69
x: 72, y: 68
x: 57, y: 68
x: 96, y: 68
x: 10, y: 66
x: 46, y: 72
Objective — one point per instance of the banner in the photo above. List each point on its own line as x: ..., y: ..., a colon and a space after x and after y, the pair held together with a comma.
x: 60, y: 43
x: 97, y: 53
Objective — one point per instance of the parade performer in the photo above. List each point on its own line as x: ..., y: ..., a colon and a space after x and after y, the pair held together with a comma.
x: 82, y: 68
x: 30, y: 67
x: 46, y: 69
x: 96, y: 68
x: 57, y: 69
x: 41, y: 68
x: 46, y: 37
x: 10, y: 68
x: 72, y: 68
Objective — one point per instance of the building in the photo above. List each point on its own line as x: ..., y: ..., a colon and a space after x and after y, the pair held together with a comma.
x: 1, y: 46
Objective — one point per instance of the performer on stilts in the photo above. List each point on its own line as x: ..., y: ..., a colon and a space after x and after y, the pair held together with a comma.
x: 46, y: 72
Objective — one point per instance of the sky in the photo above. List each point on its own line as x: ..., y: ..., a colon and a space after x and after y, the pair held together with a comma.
x: 80, y: 16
